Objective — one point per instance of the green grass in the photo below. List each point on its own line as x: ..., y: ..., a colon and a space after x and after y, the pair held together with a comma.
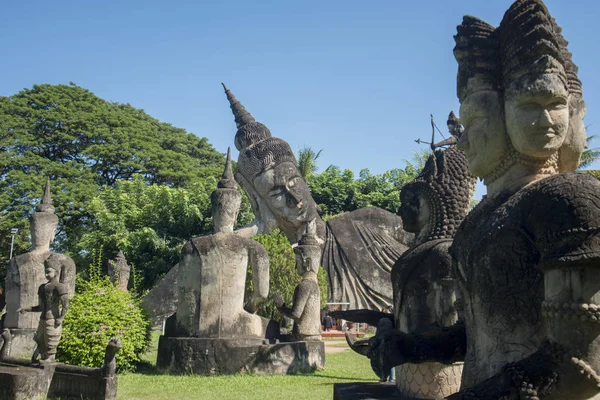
x: 339, y: 367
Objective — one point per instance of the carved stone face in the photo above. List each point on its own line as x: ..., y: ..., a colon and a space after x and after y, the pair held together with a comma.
x: 414, y: 211
x: 484, y: 138
x: 50, y: 273
x: 286, y: 194
x: 537, y: 116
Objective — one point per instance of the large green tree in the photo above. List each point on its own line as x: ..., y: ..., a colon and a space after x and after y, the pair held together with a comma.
x: 84, y: 143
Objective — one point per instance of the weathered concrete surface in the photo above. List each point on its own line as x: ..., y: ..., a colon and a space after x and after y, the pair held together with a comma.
x: 231, y: 356
x: 19, y: 382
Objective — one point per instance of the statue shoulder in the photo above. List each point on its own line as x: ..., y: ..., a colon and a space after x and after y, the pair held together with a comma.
x: 563, y: 217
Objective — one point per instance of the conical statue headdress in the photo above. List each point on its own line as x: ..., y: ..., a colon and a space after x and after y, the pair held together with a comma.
x: 46, y: 204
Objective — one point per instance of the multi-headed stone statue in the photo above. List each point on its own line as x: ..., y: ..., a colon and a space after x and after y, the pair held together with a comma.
x: 212, y: 275
x: 527, y: 257
x: 53, y: 298
x: 26, y: 273
x: 306, y: 303
x: 359, y: 247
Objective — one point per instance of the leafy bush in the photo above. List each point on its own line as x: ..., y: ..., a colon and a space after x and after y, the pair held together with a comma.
x: 97, y: 312
x: 283, y: 277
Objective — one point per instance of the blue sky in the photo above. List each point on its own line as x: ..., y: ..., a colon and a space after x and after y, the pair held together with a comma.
x: 357, y: 79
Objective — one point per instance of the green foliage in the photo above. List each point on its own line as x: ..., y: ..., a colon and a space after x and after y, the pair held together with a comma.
x: 336, y: 191
x: 98, y: 312
x: 589, y: 156
x: 307, y: 161
x: 85, y: 143
x: 283, y: 277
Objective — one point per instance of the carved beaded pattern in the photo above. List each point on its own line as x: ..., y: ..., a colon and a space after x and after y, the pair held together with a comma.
x: 571, y: 311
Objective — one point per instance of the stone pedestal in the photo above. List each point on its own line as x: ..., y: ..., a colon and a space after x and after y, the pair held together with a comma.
x: 22, y: 345
x: 25, y: 382
x: 181, y: 355
x: 432, y: 381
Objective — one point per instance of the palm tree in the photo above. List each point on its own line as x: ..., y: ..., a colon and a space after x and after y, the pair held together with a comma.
x: 307, y: 161
x: 589, y: 156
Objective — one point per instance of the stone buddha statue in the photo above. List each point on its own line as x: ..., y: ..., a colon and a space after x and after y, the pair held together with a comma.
x: 359, y: 247
x: 526, y: 258
x: 306, y: 303
x: 212, y: 275
x: 26, y: 274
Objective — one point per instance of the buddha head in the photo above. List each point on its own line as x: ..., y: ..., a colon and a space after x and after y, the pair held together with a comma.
x: 268, y: 173
x: 538, y: 79
x: 53, y: 267
x: 436, y: 202
x: 226, y: 200
x: 43, y: 223
x: 484, y: 138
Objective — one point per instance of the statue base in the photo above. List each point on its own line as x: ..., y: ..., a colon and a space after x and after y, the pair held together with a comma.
x: 22, y: 344
x: 366, y: 391
x: 25, y: 382
x: 20, y: 380
x: 203, y: 356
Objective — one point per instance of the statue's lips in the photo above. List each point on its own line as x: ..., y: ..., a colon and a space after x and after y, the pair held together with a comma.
x: 548, y: 133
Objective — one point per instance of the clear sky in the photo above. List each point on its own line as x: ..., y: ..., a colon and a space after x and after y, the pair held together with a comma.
x: 357, y: 79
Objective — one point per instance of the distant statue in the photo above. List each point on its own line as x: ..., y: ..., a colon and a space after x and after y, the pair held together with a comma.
x: 53, y: 305
x: 359, y: 247
x: 306, y: 303
x: 212, y: 275
x: 119, y: 271
x: 25, y: 274
x: 527, y: 257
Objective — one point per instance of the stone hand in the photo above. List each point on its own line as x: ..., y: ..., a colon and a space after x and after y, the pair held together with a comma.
x: 278, y: 299
x: 22, y: 310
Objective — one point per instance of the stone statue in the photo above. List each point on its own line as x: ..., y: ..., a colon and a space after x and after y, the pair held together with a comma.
x: 212, y: 275
x: 526, y: 258
x: 119, y: 270
x: 53, y: 305
x: 359, y: 247
x: 306, y: 304
x: 433, y: 207
x: 26, y: 273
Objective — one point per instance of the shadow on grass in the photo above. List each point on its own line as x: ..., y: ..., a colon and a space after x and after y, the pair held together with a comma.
x: 147, y: 368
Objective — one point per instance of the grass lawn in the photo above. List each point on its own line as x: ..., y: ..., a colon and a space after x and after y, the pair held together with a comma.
x: 339, y: 367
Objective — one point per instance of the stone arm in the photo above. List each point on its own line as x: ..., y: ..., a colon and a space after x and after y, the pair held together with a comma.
x: 259, y: 261
x: 64, y: 306
x: 434, y: 343
x: 298, y: 303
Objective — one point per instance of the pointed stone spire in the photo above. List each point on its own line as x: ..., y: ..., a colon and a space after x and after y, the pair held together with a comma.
x: 242, y: 117
x: 227, y: 181
x: 46, y: 204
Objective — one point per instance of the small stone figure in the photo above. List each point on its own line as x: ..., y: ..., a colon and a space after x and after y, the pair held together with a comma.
x: 119, y: 270
x: 306, y: 304
x: 359, y: 247
x: 53, y: 305
x: 212, y: 275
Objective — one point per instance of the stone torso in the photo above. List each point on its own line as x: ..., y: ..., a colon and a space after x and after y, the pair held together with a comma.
x: 212, y: 277
x: 424, y: 290
x: 498, y: 250
x: 49, y: 296
x: 309, y: 323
